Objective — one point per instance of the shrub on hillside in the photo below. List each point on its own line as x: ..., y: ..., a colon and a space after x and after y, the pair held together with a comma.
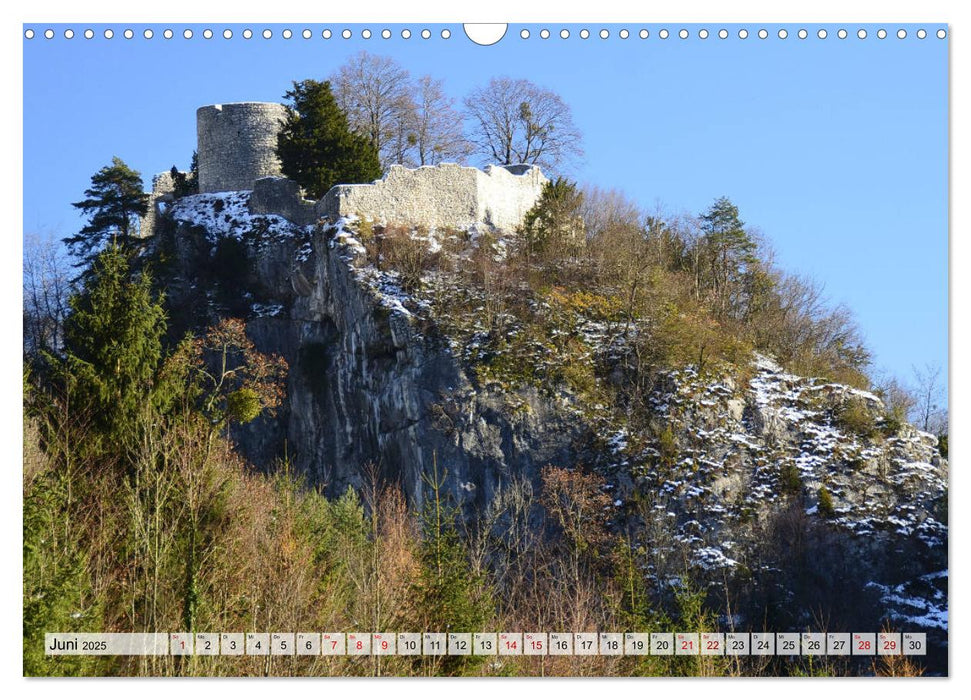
x: 855, y: 417
x: 825, y: 503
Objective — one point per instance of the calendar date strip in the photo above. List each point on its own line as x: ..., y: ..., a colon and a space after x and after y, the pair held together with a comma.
x: 487, y: 644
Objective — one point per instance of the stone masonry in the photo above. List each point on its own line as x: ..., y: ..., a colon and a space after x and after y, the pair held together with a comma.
x: 162, y: 194
x: 441, y: 196
x: 280, y: 196
x: 237, y: 144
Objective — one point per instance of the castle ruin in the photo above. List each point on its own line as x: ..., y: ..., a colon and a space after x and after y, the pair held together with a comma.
x: 237, y: 151
x: 236, y: 144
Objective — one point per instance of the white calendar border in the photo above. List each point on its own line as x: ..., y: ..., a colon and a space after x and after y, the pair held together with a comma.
x: 495, y: 10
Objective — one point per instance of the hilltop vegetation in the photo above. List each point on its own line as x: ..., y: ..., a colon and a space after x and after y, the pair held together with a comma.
x: 659, y: 293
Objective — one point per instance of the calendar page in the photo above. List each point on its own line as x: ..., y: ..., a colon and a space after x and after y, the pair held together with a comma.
x: 613, y: 349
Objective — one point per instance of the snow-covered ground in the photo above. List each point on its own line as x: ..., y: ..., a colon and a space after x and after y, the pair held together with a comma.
x: 227, y: 215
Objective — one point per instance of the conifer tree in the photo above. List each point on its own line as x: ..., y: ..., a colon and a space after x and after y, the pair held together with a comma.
x: 450, y: 595
x: 730, y: 251
x: 185, y: 184
x: 113, y: 341
x: 113, y: 204
x: 317, y: 148
x: 554, y: 224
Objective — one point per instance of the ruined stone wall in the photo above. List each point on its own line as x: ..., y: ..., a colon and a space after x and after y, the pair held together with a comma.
x: 506, y: 194
x: 441, y: 196
x: 237, y: 144
x: 280, y: 196
x: 163, y: 187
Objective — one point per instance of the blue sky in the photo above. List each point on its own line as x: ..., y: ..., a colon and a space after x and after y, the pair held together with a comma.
x: 836, y: 150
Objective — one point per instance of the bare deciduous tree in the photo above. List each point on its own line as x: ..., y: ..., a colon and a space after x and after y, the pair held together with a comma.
x: 46, y: 291
x: 930, y: 411
x: 606, y: 209
x: 516, y: 121
x: 400, y: 147
x: 896, y: 397
x: 375, y: 94
x: 437, y: 127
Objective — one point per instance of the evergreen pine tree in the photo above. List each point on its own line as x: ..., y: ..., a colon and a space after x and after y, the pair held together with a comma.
x: 731, y: 249
x: 113, y: 341
x: 316, y: 146
x: 554, y: 224
x: 186, y: 183
x: 450, y: 595
x: 721, y: 223
x: 113, y: 204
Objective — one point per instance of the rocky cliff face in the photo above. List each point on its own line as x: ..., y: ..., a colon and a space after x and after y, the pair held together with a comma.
x: 368, y: 384
x: 785, y: 479
x: 776, y: 488
x: 376, y: 388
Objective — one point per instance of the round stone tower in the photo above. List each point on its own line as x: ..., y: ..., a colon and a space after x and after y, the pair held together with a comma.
x: 237, y: 144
